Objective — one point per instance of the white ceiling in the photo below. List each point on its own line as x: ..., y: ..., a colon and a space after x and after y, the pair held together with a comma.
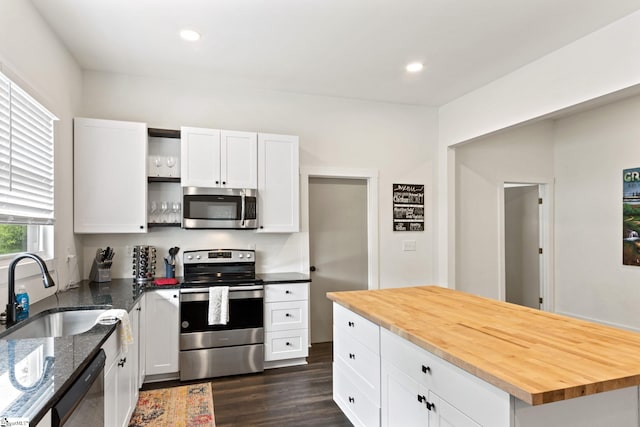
x: 346, y: 48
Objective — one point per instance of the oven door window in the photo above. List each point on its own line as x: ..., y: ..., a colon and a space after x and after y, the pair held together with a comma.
x: 243, y: 313
x: 213, y: 207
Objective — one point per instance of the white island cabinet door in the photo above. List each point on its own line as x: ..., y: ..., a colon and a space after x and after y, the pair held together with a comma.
x: 200, y: 157
x: 110, y: 176
x: 278, y: 184
x: 238, y: 159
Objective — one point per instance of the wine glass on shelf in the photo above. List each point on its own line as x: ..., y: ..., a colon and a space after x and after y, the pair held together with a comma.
x: 153, y: 211
x: 175, y: 208
x: 157, y: 162
x: 171, y: 162
x: 164, y: 209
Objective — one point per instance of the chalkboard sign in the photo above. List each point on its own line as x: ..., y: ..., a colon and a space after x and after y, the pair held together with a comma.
x: 408, y: 207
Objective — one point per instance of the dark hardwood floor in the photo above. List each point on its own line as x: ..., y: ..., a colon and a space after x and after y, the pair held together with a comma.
x: 294, y: 396
x: 283, y: 397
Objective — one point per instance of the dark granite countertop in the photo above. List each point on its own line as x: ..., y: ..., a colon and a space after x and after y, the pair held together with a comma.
x: 275, y: 278
x: 35, y: 373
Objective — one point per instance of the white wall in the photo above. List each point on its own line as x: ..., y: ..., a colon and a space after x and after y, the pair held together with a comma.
x: 601, y: 65
x: 591, y: 150
x: 34, y: 58
x: 397, y: 140
x: 523, y: 154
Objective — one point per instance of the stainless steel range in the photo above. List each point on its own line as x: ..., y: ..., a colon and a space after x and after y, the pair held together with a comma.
x: 218, y: 350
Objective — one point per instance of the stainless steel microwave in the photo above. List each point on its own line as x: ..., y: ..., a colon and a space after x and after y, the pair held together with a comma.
x: 217, y: 208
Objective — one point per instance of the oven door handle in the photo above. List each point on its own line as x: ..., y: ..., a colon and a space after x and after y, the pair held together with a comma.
x: 205, y: 289
x: 238, y: 292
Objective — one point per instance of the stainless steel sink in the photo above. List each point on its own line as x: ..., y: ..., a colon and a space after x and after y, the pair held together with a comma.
x: 54, y: 324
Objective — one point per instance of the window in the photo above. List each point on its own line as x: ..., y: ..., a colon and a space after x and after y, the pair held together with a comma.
x: 26, y: 171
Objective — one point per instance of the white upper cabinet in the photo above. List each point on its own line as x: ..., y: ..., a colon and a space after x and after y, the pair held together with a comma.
x: 110, y: 176
x: 200, y: 157
x: 278, y: 184
x: 238, y: 159
x: 214, y: 158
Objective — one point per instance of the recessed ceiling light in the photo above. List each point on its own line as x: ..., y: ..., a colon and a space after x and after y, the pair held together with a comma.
x: 414, y: 67
x: 190, y: 35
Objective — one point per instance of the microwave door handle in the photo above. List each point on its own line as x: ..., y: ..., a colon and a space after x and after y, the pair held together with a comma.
x: 242, y: 213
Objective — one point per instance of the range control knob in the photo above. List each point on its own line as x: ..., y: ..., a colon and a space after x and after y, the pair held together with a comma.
x: 240, y: 256
x: 198, y: 257
x: 249, y: 255
x: 189, y: 257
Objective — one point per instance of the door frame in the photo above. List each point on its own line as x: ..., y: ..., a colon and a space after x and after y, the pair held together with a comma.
x: 545, y: 191
x: 371, y: 176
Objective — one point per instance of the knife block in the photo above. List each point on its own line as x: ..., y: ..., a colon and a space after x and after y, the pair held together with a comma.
x: 99, y: 273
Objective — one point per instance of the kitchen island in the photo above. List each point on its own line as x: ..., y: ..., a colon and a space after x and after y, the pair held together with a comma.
x: 484, y: 361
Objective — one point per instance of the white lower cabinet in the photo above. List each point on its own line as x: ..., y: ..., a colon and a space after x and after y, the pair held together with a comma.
x: 356, y: 367
x: 418, y: 386
x: 286, y: 324
x: 121, y: 376
x: 162, y: 334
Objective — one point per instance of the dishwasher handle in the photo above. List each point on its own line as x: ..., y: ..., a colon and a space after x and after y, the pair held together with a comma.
x: 67, y: 403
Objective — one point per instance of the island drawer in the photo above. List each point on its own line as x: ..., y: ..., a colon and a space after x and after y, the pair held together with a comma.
x: 357, y: 327
x: 479, y: 400
x: 360, y: 361
x: 354, y: 402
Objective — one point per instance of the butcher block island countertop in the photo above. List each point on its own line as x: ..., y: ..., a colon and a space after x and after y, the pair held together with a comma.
x: 536, y: 356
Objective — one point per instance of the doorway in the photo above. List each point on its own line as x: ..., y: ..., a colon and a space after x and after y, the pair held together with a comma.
x: 338, y: 245
x: 523, y: 245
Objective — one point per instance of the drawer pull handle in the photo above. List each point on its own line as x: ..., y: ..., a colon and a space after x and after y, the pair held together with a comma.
x: 352, y: 356
x: 352, y: 400
x: 351, y: 324
x: 426, y: 369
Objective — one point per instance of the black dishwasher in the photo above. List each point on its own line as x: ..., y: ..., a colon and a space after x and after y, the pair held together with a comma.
x: 83, y: 403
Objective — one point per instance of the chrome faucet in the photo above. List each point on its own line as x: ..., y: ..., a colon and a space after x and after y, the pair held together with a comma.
x: 12, y: 303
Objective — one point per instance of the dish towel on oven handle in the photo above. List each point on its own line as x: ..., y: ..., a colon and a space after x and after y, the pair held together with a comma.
x: 218, y: 305
x: 110, y: 317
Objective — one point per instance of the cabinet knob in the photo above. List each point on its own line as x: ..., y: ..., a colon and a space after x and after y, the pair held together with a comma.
x: 421, y: 398
x: 313, y: 268
x: 122, y: 361
x: 426, y: 369
x: 431, y: 406
x: 352, y: 400
x: 287, y: 291
x: 175, y: 296
x: 217, y: 182
x: 288, y: 344
x: 142, y: 227
x: 224, y: 182
x: 287, y: 315
x: 352, y: 324
x: 139, y: 309
x: 352, y: 356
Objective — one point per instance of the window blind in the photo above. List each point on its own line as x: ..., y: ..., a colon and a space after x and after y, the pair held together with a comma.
x: 26, y: 157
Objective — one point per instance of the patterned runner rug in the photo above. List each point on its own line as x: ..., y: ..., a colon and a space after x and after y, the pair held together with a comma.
x: 184, y: 406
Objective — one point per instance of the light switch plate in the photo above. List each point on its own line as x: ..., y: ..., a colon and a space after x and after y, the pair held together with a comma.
x: 408, y: 245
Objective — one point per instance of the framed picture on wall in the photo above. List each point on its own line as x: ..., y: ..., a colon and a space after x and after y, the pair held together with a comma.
x: 408, y: 207
x: 631, y: 217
